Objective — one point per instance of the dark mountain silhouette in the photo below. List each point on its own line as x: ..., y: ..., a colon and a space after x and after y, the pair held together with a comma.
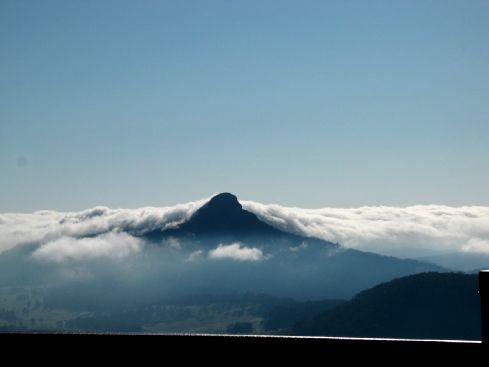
x: 426, y: 306
x: 222, y: 220
x: 223, y: 214
x: 290, y: 265
x: 282, y: 317
x: 222, y: 217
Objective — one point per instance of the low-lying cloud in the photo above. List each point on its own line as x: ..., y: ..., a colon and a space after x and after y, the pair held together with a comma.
x: 476, y: 245
x: 236, y: 252
x: 412, y: 231
x: 46, y: 226
x: 114, y: 246
x: 403, y: 231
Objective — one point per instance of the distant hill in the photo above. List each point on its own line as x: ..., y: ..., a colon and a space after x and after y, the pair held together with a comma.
x: 426, y: 306
x: 459, y: 261
x: 282, y: 317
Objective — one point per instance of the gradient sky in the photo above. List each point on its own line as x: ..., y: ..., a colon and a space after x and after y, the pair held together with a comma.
x: 303, y: 103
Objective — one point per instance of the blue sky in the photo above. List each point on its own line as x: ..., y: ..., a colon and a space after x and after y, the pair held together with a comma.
x: 303, y: 103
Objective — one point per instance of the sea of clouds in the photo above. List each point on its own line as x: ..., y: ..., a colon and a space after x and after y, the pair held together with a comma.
x: 413, y: 231
x: 48, y: 226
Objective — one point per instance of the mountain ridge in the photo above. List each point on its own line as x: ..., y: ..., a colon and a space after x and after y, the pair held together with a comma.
x: 224, y: 214
x: 289, y: 265
x: 224, y: 218
x: 425, y: 306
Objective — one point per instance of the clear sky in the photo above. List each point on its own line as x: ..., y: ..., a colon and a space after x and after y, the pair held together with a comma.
x: 302, y: 103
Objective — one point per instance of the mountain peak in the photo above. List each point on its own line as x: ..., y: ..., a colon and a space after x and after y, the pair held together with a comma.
x: 225, y: 201
x: 223, y: 214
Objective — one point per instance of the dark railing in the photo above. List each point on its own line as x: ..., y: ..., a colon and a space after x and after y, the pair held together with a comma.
x: 484, y: 296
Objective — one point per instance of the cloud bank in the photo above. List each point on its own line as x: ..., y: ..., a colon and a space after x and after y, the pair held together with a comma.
x: 234, y: 251
x: 476, y: 245
x: 114, y: 246
x: 401, y: 231
x: 45, y: 226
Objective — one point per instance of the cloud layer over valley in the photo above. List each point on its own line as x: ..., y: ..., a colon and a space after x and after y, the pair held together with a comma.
x: 409, y: 231
x: 404, y: 231
x: 101, y: 256
x: 110, y: 245
x: 47, y: 226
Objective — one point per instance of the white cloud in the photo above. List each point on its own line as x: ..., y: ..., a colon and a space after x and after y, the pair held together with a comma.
x: 477, y: 246
x: 195, y: 255
x: 111, y: 245
x: 302, y: 246
x: 403, y: 231
x: 234, y: 251
x: 172, y: 242
x: 45, y: 226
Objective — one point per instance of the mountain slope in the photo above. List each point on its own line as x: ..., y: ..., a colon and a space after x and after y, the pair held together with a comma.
x: 223, y: 214
x: 223, y: 219
x: 427, y: 306
x: 289, y: 265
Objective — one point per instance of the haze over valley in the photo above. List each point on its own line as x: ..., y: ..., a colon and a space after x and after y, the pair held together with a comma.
x: 163, y: 266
